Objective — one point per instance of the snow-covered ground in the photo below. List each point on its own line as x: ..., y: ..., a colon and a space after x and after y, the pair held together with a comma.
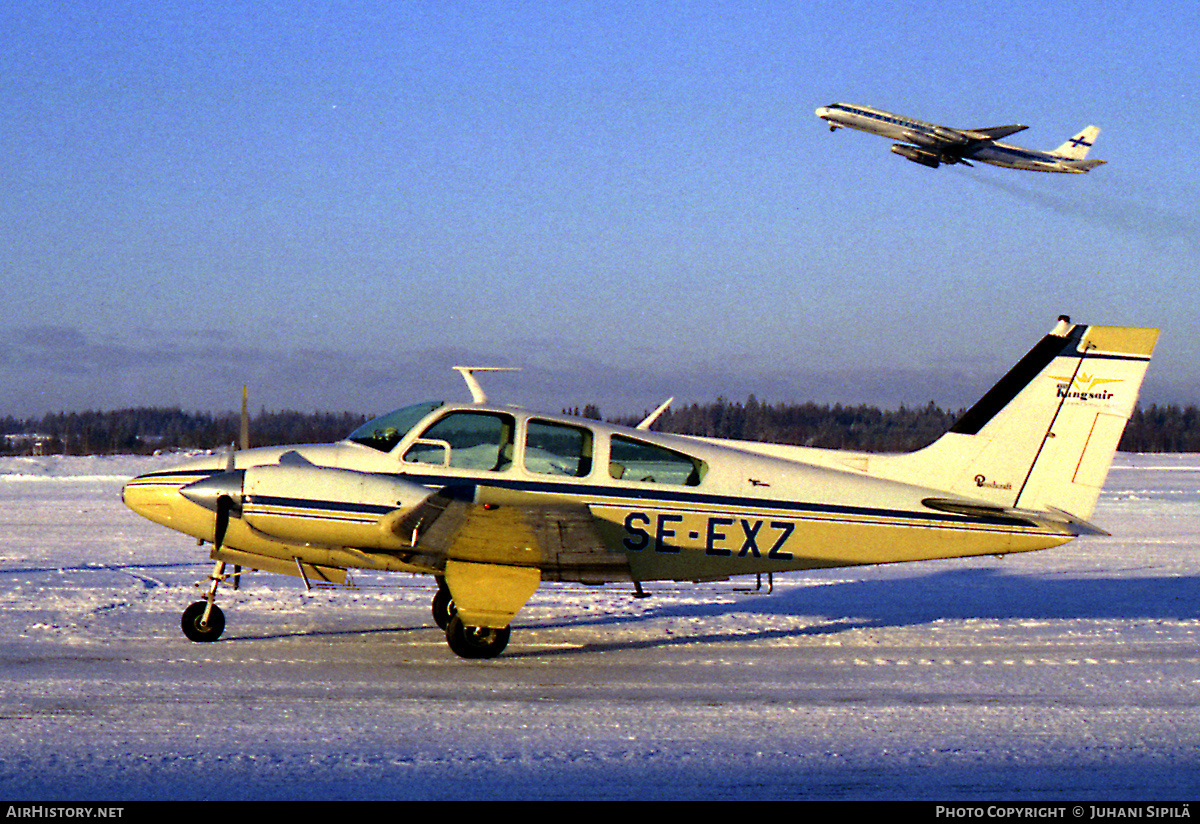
x: 1067, y: 674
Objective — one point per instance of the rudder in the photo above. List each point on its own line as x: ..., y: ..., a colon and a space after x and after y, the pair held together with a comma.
x: 1043, y: 438
x: 1076, y: 147
x: 1096, y: 401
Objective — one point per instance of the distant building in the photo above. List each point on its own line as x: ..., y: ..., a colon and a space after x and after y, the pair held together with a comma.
x: 27, y: 442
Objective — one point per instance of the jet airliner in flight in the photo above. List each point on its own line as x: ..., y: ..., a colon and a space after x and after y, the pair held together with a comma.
x: 933, y: 145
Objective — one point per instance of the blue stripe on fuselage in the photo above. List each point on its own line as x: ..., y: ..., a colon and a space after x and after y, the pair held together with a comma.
x: 615, y: 496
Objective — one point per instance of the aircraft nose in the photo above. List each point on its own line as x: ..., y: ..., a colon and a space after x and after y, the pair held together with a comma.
x: 151, y: 495
x: 210, y: 490
x: 143, y: 492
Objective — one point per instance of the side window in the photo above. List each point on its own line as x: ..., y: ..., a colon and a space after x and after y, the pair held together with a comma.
x: 639, y: 461
x: 466, y: 440
x: 558, y: 449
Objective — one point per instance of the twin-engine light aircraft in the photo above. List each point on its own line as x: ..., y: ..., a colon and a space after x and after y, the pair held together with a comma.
x: 932, y: 145
x: 493, y: 500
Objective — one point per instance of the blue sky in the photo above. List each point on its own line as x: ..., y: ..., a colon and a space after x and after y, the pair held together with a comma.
x: 334, y: 203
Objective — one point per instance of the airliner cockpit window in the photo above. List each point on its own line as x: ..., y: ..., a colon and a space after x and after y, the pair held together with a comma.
x: 632, y: 460
x: 466, y: 440
x: 386, y: 431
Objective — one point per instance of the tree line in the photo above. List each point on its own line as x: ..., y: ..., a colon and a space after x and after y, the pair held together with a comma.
x: 865, y: 428
x: 1157, y: 428
x: 145, y: 430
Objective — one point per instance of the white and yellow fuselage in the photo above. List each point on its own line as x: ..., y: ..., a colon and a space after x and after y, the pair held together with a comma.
x: 492, y: 500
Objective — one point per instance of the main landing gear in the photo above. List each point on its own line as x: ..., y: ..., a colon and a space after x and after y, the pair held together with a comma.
x: 466, y: 641
x: 475, y: 642
x: 443, y: 605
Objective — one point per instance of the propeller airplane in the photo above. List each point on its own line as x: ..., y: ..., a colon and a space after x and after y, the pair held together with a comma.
x: 492, y: 500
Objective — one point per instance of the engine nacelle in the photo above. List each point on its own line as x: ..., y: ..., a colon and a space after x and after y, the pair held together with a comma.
x: 328, y: 507
x: 918, y: 155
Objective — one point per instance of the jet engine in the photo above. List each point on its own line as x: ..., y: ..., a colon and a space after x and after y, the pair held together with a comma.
x: 312, y: 504
x: 917, y: 155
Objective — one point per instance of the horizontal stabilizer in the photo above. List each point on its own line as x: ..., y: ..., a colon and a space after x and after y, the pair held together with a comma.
x: 1051, y: 517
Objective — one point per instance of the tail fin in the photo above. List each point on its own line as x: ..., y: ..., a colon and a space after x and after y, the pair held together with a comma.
x: 1043, y: 438
x: 1077, y: 147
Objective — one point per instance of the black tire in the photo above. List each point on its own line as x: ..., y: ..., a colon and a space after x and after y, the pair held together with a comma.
x: 200, y: 632
x: 475, y: 642
x: 443, y: 608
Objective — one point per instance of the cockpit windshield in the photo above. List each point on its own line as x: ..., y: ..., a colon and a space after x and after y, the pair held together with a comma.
x: 386, y: 431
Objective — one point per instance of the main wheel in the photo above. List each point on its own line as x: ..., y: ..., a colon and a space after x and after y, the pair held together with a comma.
x: 196, y: 628
x: 443, y: 608
x: 475, y: 642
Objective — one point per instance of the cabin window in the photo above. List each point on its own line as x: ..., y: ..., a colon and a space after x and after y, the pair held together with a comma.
x: 466, y: 440
x: 633, y: 460
x: 557, y: 449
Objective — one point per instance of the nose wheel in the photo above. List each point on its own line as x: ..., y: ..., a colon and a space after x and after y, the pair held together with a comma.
x: 204, y: 621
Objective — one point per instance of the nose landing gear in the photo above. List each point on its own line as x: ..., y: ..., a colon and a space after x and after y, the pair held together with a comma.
x: 203, y: 621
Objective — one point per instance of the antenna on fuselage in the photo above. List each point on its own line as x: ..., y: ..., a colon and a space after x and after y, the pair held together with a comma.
x: 468, y: 374
x: 653, y: 416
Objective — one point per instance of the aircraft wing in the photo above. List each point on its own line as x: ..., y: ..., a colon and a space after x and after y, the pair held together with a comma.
x: 449, y: 527
x: 492, y: 556
x: 959, y: 141
x: 996, y: 132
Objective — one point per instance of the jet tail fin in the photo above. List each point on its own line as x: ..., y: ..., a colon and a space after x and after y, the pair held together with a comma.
x: 1076, y: 148
x: 1043, y: 438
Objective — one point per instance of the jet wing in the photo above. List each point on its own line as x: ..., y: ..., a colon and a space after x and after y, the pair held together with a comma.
x: 996, y: 132
x: 958, y: 141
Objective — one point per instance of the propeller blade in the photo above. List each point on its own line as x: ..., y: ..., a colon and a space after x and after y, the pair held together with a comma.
x: 224, y: 506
